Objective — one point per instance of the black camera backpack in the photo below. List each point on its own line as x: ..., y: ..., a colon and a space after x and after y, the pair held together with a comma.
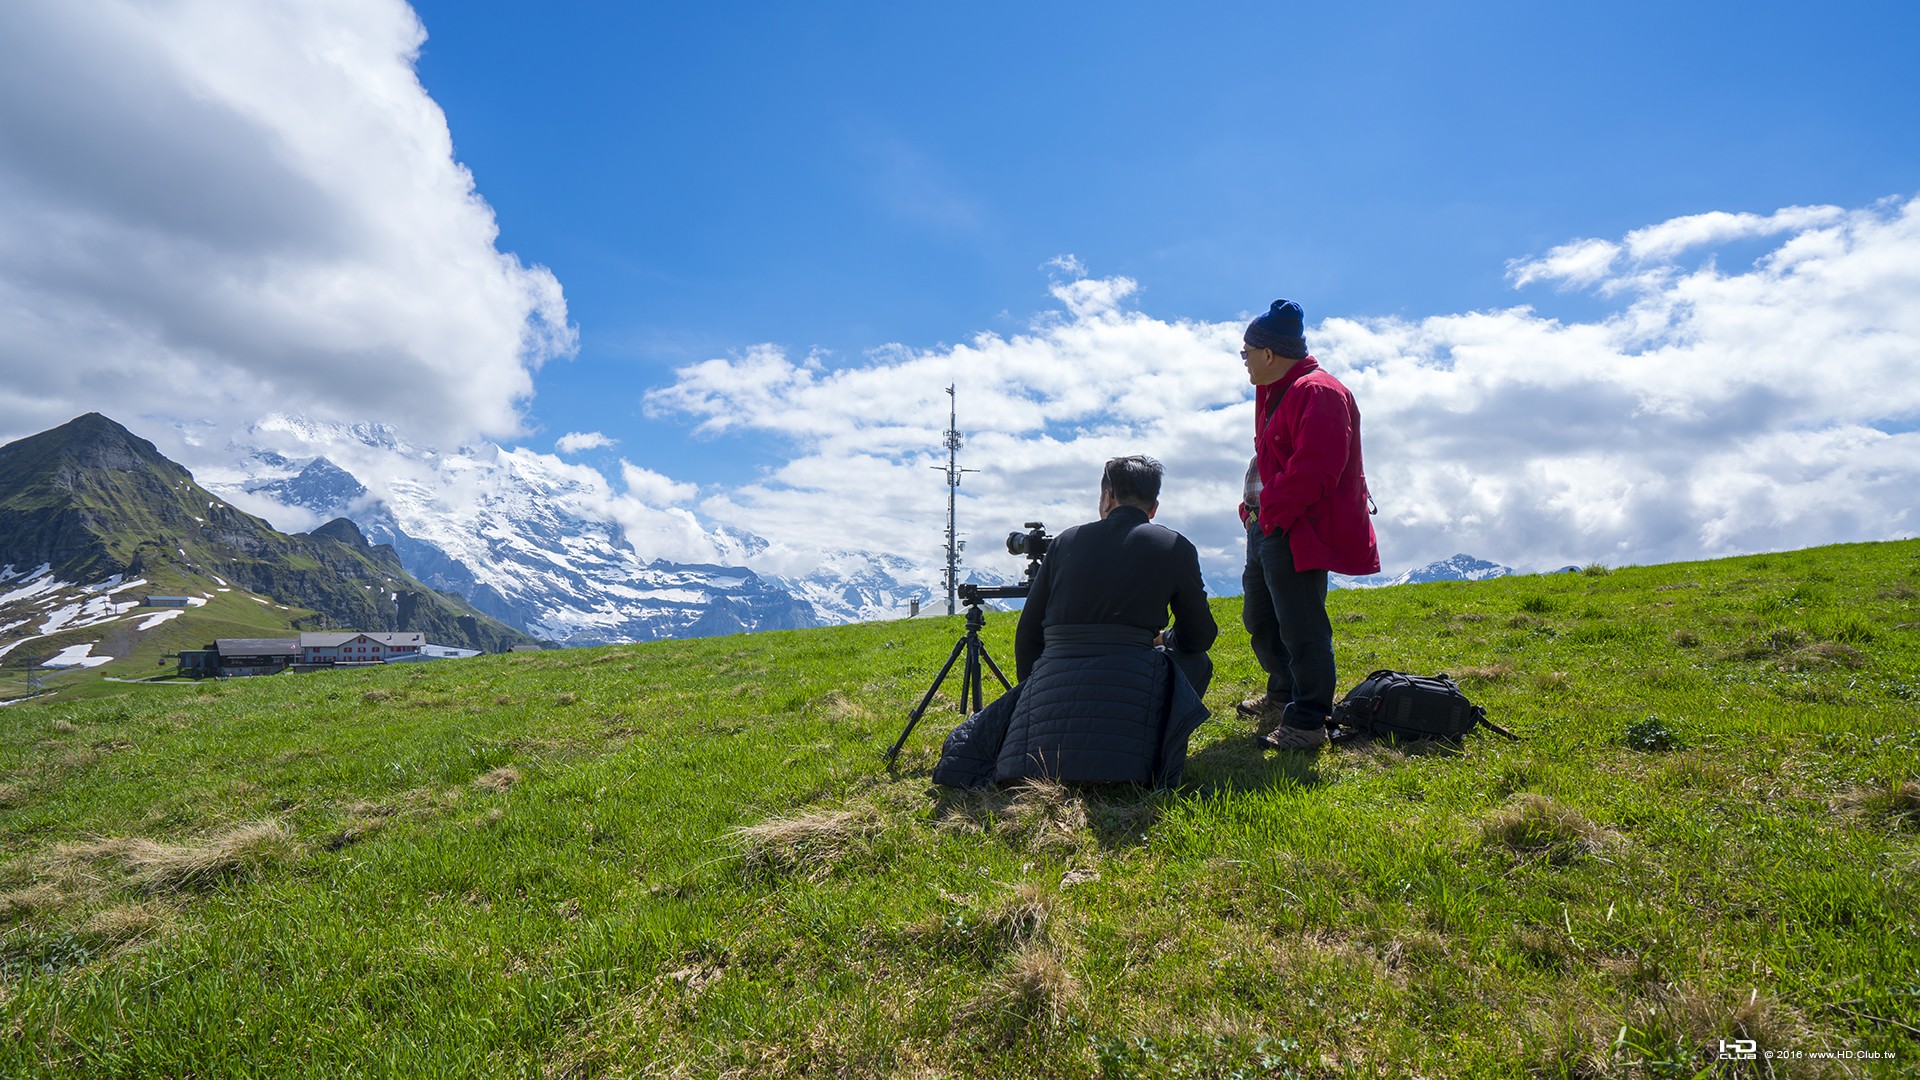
x: 1397, y: 706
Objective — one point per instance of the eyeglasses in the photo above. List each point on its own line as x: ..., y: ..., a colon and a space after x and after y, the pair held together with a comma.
x: 1245, y: 354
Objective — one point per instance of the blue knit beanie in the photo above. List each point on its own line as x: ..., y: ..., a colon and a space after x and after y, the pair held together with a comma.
x: 1281, y: 329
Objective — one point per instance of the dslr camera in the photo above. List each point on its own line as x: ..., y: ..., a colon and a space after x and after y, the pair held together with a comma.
x: 1032, y: 543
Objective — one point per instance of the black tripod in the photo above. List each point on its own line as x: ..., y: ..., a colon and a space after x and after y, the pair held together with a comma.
x: 971, y: 700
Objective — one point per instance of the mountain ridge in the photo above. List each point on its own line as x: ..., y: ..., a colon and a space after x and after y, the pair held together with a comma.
x: 517, y: 579
x: 530, y: 541
x: 90, y: 502
x: 534, y: 546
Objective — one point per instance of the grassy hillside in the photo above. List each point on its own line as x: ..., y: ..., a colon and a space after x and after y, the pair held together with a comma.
x: 686, y: 858
x: 144, y: 654
x: 96, y: 503
x: 140, y: 654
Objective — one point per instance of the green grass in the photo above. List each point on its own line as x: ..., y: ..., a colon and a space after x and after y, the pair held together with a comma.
x: 686, y: 858
x: 141, y: 654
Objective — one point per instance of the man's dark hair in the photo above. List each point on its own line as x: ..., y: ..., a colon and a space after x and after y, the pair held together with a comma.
x: 1134, y: 479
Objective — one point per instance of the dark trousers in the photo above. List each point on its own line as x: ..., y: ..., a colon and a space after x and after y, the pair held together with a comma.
x: 1285, y: 612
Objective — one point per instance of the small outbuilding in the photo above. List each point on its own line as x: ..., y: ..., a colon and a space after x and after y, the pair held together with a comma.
x: 198, y: 663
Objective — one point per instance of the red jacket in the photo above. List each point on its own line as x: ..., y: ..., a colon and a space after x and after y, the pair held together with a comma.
x: 1312, y: 482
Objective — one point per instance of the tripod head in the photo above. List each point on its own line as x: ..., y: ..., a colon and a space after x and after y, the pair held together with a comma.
x: 974, y: 596
x: 975, y: 651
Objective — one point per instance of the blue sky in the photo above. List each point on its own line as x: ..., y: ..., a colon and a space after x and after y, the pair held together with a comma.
x: 702, y: 181
x: 725, y: 256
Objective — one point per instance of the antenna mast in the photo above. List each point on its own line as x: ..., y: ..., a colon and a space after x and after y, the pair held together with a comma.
x: 954, y: 544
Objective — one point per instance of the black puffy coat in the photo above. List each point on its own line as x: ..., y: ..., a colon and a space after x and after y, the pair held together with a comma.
x: 1090, y: 712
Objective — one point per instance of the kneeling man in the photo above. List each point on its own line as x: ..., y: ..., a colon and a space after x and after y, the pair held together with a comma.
x: 1105, y: 694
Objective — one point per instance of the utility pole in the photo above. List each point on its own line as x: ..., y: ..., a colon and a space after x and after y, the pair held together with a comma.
x: 954, y: 543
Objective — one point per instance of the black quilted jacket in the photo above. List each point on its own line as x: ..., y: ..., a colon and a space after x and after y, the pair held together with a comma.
x: 1088, y: 713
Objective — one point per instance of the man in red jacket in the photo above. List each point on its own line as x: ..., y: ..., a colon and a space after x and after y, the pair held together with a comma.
x: 1306, y: 513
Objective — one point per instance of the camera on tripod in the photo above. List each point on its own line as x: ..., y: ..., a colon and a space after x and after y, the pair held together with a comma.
x: 1033, y: 544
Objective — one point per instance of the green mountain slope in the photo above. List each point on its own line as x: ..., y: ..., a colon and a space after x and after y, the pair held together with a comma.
x: 99, y: 508
x: 686, y: 858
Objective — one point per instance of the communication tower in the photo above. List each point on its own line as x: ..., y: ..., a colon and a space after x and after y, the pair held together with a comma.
x: 954, y: 544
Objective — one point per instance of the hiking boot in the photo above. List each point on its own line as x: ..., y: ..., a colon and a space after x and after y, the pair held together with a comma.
x: 1258, y: 707
x: 1296, y: 738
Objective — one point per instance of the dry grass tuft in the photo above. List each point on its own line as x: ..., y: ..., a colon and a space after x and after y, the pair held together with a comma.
x: 695, y: 978
x: 1575, y: 1038
x: 124, y: 922
x: 1548, y: 682
x: 1684, y: 1028
x: 1896, y: 801
x: 32, y: 900
x: 1536, y: 825
x: 1033, y: 986
x: 1014, y: 920
x: 1487, y: 673
x: 809, y: 843
x: 1021, y: 917
x: 375, y: 697
x: 162, y: 867
x: 11, y: 796
x: 1046, y: 816
x: 839, y: 706
x: 1692, y: 1021
x: 1822, y: 655
x: 1761, y: 1019
x: 500, y: 779
x: 63, y: 726
x: 565, y: 699
x: 355, y: 831
x: 1546, y: 947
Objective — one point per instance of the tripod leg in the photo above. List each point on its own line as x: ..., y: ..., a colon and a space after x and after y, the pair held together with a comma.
x: 914, y: 716
x: 974, y: 652
x: 988, y: 657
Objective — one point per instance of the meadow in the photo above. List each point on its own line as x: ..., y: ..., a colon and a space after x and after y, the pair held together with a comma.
x: 688, y: 859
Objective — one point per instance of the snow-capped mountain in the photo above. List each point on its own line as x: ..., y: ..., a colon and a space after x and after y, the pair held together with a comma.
x: 860, y: 587
x: 1458, y: 568
x: 531, y: 540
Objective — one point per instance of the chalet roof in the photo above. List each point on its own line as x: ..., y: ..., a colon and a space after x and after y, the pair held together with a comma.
x: 256, y: 646
x: 327, y: 639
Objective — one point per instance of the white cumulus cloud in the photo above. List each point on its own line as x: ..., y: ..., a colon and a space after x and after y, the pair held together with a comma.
x: 217, y: 210
x: 654, y: 488
x: 573, y: 442
x: 1712, y: 410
